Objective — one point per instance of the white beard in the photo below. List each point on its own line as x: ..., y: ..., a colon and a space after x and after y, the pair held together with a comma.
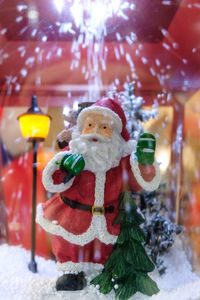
x: 102, y: 155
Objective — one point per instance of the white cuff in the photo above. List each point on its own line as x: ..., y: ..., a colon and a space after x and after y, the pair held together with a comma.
x: 146, y: 185
x: 82, y: 239
x: 75, y: 268
x: 50, y: 168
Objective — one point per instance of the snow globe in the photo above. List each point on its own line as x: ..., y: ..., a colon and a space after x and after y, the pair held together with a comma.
x: 102, y: 70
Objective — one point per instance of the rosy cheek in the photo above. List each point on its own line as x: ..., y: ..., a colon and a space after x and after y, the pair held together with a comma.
x: 84, y: 131
x: 87, y: 130
x: 107, y: 133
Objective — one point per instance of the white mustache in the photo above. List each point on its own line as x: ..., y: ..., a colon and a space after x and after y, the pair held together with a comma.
x: 102, y: 154
x: 89, y: 137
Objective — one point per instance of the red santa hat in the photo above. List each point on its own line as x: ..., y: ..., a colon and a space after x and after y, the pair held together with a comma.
x: 107, y: 107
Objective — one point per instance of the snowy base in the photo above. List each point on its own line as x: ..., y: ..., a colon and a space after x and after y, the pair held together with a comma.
x: 18, y: 283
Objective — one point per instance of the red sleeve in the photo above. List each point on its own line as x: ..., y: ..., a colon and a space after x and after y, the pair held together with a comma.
x: 130, y: 182
x: 147, y: 172
x: 58, y: 176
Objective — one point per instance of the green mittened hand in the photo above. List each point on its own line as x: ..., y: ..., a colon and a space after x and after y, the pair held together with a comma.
x: 73, y: 163
x: 145, y: 149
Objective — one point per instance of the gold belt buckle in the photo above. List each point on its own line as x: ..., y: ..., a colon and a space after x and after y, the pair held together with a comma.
x: 98, y: 210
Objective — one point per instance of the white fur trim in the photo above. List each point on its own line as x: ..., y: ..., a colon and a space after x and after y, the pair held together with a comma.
x: 128, y: 147
x: 99, y: 188
x: 98, y: 226
x: 75, y: 268
x: 146, y: 185
x: 50, y: 168
x: 99, y: 110
x: 97, y: 229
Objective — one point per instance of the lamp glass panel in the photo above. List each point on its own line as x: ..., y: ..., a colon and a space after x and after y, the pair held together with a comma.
x: 34, y: 126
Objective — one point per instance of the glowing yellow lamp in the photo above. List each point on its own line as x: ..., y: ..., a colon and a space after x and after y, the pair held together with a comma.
x: 34, y: 124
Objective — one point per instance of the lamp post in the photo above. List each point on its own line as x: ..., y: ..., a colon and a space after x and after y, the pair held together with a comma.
x: 34, y: 125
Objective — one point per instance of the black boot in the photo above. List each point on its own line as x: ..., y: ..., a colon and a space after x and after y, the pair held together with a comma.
x: 71, y: 282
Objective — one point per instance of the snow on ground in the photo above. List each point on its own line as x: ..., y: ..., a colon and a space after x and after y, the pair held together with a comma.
x: 18, y: 283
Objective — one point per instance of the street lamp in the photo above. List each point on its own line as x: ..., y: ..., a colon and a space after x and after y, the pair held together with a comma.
x: 34, y: 125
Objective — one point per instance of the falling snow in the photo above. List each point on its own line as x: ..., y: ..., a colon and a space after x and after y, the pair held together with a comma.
x: 23, y: 72
x: 19, y: 19
x: 90, y: 19
x: 166, y: 46
x: 3, y: 31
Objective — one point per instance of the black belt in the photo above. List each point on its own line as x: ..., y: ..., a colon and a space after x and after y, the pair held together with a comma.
x: 95, y: 210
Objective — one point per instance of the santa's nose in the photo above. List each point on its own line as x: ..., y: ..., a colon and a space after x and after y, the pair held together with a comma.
x: 96, y: 130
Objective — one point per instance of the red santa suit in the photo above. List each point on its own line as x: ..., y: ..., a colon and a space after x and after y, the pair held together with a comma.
x: 84, y: 236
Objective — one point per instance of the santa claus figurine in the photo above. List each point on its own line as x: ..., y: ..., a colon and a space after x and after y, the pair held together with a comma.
x: 88, y: 178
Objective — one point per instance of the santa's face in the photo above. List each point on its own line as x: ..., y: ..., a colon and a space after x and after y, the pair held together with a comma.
x: 98, y: 124
x: 99, y: 143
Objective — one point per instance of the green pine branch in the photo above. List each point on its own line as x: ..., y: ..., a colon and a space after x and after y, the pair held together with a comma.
x: 125, y: 271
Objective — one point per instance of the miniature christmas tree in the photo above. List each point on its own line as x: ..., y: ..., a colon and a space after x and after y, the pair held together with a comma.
x: 159, y: 230
x: 126, y: 269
